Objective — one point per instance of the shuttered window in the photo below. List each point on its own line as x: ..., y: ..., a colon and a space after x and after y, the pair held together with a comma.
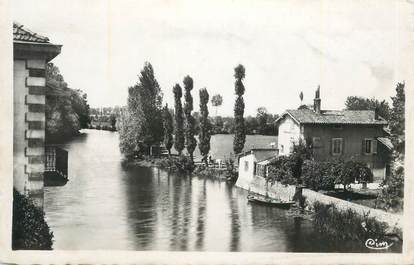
x: 337, y: 146
x: 369, y: 146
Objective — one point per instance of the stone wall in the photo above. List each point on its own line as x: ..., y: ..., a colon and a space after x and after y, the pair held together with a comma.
x: 29, y: 127
x: 286, y: 192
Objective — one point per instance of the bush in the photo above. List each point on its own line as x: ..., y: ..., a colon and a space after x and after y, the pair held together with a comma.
x: 281, y: 170
x: 346, y: 225
x: 30, y: 230
x: 318, y: 175
x: 176, y: 163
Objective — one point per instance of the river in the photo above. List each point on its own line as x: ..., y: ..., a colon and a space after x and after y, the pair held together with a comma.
x: 104, y: 206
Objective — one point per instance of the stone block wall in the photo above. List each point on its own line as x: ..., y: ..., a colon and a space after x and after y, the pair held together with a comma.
x: 286, y: 192
x: 29, y: 127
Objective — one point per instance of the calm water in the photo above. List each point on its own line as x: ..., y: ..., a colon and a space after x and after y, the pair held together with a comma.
x: 104, y: 206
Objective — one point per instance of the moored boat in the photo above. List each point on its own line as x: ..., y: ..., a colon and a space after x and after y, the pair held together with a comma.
x: 255, y: 198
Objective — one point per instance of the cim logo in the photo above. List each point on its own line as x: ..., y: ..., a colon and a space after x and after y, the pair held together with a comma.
x: 376, y: 244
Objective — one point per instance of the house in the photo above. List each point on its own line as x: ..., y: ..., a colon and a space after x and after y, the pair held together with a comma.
x: 251, y: 164
x: 346, y: 134
x: 31, y: 54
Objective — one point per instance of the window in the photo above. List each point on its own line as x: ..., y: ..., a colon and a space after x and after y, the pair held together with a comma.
x: 336, y: 146
x: 370, y: 146
x: 246, y: 165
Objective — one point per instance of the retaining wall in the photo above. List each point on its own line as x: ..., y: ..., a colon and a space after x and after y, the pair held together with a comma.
x: 286, y: 192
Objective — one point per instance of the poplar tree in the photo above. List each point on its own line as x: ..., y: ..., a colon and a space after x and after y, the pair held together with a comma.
x: 190, y: 140
x: 239, y: 127
x: 205, y: 126
x: 179, y: 120
x: 168, y: 129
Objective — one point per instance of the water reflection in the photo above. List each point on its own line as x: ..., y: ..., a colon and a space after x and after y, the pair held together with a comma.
x: 105, y: 206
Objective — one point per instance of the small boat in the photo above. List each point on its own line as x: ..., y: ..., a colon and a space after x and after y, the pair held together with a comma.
x: 269, y: 201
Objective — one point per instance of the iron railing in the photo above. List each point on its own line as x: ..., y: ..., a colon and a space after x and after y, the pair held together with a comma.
x: 56, y: 161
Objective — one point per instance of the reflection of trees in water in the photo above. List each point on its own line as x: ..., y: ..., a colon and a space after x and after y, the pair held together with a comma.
x: 175, y: 189
x: 201, y: 215
x: 141, y: 206
x: 185, y: 225
x: 235, y: 221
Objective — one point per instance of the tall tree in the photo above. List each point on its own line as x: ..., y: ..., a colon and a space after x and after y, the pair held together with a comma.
x: 239, y: 128
x: 360, y: 103
x: 205, y: 126
x: 168, y: 129
x: 179, y: 120
x: 262, y: 117
x: 131, y: 122
x: 190, y: 140
x: 217, y: 101
x: 151, y: 96
x: 397, y: 121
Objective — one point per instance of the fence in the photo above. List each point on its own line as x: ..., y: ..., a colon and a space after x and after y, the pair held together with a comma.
x: 56, y: 161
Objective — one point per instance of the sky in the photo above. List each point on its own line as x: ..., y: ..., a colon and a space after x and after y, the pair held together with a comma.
x: 348, y: 47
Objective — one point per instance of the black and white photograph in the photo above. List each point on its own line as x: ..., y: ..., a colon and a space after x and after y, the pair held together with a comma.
x: 268, y: 127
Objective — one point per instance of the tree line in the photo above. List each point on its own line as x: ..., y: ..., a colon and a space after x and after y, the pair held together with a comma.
x: 67, y: 109
x: 145, y: 122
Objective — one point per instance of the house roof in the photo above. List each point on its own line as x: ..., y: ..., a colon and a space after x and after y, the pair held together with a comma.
x: 386, y: 142
x: 20, y: 33
x: 260, y: 153
x: 308, y: 116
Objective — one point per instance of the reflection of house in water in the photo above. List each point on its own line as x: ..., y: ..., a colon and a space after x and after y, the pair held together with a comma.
x: 31, y: 54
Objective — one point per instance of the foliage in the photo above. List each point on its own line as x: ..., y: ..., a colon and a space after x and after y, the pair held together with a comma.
x: 239, y: 127
x: 281, y: 170
x: 397, y: 120
x: 30, y: 230
x: 190, y: 140
x: 131, y: 125
x: 346, y: 225
x: 180, y: 163
x: 168, y: 129
x: 354, y: 171
x: 112, y: 119
x: 67, y: 110
x: 231, y: 172
x: 205, y: 126
x: 317, y: 175
x: 360, y: 103
x: 391, y: 197
x: 217, y: 101
x: 179, y: 120
x: 151, y: 104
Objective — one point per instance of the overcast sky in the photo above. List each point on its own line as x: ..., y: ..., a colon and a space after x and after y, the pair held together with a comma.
x: 348, y: 47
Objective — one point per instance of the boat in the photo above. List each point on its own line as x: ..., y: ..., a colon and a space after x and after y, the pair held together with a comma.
x: 255, y: 198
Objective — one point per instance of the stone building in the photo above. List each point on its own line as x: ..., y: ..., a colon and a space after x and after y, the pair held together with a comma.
x: 346, y: 134
x: 31, y: 54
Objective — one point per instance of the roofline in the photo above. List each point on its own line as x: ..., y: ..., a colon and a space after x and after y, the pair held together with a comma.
x: 248, y: 152
x: 25, y: 50
x: 284, y: 114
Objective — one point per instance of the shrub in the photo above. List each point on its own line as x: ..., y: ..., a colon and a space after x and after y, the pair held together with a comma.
x: 281, y: 170
x: 353, y: 171
x: 317, y: 175
x: 176, y: 163
x: 30, y: 230
x: 346, y: 225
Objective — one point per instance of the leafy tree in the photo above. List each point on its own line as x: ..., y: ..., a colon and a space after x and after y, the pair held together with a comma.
x: 131, y: 123
x: 397, y: 121
x: 262, y: 117
x: 205, y: 126
x: 179, y: 120
x: 151, y: 104
x: 67, y: 110
x: 190, y: 140
x: 112, y: 119
x: 239, y: 128
x: 217, y: 101
x: 360, y: 103
x: 168, y: 129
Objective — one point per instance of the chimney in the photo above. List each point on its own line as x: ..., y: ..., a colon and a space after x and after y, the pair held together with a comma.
x: 376, y: 116
x: 317, y: 101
